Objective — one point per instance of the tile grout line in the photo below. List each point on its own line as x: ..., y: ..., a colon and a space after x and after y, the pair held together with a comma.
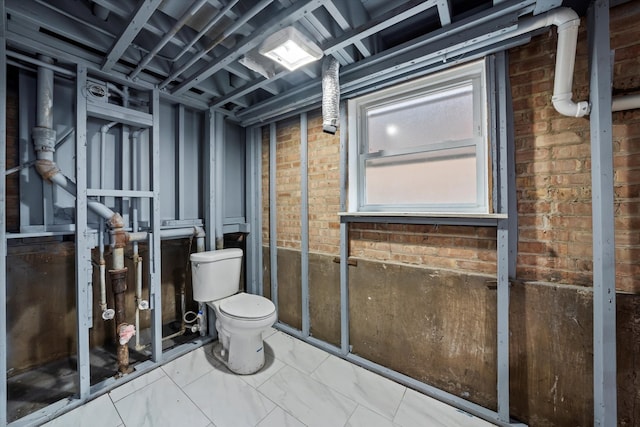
x: 187, y: 395
x: 395, y: 413
x: 132, y: 381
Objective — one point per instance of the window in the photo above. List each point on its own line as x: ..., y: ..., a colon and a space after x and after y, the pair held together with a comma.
x: 422, y: 146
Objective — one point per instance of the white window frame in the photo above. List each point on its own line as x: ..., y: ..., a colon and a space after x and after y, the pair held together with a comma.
x: 476, y: 73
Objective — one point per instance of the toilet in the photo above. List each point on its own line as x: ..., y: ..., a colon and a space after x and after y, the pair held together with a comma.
x: 240, y: 317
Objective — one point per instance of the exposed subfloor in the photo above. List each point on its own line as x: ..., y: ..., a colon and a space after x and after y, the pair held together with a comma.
x: 300, y: 385
x: 37, y: 388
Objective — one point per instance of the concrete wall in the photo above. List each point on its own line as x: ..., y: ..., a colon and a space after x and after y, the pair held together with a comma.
x: 422, y: 298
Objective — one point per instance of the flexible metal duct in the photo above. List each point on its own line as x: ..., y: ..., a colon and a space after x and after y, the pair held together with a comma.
x: 330, y: 95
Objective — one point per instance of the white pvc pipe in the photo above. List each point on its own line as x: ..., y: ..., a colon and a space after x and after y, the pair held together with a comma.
x: 172, y: 233
x: 44, y: 115
x: 106, y: 313
x: 118, y: 258
x: 627, y: 102
x: 137, y: 260
x: 567, y: 23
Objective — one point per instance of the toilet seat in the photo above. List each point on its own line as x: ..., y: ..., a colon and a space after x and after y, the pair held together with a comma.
x: 247, y: 307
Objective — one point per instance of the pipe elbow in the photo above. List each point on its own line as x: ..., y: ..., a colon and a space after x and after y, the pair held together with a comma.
x: 119, y: 238
x: 199, y: 232
x: 563, y: 18
x: 47, y: 169
x: 565, y: 106
x: 107, y: 127
x: 116, y: 221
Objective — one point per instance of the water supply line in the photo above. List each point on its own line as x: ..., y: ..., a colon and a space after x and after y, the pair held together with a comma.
x: 185, y: 322
x: 140, y: 303
x: 107, y: 313
x: 197, y: 233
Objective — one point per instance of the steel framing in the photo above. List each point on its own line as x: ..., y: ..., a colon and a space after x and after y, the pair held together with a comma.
x: 3, y: 219
x: 85, y: 239
x: 506, y: 248
x: 605, y: 411
x: 604, y: 272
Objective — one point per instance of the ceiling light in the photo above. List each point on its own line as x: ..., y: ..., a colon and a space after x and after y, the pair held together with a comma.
x: 290, y: 48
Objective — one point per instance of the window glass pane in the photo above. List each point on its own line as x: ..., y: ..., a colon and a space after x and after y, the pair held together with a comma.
x: 437, y: 177
x: 445, y: 115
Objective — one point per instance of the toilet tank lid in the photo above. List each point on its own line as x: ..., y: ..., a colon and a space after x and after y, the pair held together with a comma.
x: 218, y: 255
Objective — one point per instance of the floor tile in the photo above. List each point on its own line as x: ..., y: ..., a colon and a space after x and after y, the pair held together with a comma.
x: 416, y: 409
x: 134, y: 385
x: 191, y: 366
x: 271, y: 366
x: 267, y: 333
x: 295, y: 352
x: 227, y: 400
x: 364, y: 417
x: 365, y: 387
x: 160, y: 404
x: 308, y: 400
x: 100, y: 411
x: 279, y: 418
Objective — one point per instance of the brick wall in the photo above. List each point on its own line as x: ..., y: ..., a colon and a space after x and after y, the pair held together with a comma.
x: 324, y: 187
x: 469, y: 249
x: 553, y: 169
x: 553, y: 162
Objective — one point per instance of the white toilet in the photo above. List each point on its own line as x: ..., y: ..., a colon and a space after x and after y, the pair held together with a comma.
x: 240, y: 317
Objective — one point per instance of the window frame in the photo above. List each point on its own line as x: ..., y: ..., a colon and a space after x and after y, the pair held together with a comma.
x: 474, y: 72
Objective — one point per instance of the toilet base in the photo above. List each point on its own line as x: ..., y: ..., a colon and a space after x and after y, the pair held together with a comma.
x: 244, y: 355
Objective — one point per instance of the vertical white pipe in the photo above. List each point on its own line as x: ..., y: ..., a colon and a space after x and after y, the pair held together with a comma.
x: 102, y: 272
x: 135, y: 212
x: 106, y: 315
x: 44, y: 114
x: 118, y: 258
x: 219, y: 179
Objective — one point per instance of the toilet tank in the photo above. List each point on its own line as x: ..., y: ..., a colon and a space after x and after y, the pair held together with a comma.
x: 215, y: 274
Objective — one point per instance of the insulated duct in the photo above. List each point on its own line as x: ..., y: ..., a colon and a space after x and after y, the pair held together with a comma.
x: 330, y: 95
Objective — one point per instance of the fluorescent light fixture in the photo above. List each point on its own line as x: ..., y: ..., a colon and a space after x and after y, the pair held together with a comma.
x: 290, y: 48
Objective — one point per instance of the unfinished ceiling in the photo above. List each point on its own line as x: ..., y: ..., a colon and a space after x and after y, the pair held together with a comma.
x: 194, y: 50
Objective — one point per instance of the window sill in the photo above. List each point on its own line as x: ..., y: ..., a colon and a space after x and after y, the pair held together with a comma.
x: 446, y: 218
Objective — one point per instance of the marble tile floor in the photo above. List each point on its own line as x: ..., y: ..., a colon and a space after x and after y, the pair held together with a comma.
x: 300, y: 385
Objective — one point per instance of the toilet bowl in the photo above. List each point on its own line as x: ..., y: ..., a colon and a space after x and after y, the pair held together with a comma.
x: 240, y: 321
x: 241, y: 318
